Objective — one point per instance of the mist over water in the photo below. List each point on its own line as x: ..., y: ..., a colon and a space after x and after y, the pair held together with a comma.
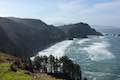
x: 97, y: 56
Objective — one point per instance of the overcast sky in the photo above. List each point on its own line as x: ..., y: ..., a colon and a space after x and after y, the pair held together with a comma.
x: 57, y: 12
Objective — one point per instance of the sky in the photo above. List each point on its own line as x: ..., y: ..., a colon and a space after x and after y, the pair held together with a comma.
x: 59, y: 12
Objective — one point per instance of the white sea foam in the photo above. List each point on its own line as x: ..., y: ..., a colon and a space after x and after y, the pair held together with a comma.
x: 56, y: 50
x: 98, y: 51
x: 83, y: 41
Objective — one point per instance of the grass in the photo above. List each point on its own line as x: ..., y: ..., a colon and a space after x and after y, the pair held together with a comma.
x: 6, y: 74
x: 6, y: 58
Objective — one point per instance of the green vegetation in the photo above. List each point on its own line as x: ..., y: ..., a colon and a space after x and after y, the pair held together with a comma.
x: 70, y: 68
x: 7, y: 74
x: 41, y: 68
x: 62, y: 67
x: 6, y: 58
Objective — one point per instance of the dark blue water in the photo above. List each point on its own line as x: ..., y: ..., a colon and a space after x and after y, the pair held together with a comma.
x: 99, y: 57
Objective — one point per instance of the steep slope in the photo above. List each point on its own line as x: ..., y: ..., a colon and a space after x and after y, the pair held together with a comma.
x: 25, y: 37
x: 6, y: 58
x: 53, y: 32
x: 79, y: 30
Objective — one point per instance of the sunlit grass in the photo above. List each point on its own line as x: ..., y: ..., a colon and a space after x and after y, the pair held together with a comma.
x: 6, y: 74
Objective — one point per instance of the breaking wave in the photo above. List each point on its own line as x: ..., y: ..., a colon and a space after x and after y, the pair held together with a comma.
x: 83, y: 41
x: 57, y: 50
x: 99, y: 51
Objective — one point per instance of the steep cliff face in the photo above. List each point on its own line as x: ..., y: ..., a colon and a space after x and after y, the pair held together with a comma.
x: 79, y: 30
x: 24, y: 37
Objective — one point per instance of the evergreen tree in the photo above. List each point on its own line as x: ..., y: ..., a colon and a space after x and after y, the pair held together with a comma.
x: 51, y: 60
x: 45, y: 62
x: 38, y: 62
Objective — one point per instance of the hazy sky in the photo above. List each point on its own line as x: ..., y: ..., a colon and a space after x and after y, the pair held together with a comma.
x: 99, y: 12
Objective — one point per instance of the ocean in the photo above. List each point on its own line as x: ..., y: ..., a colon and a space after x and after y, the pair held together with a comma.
x: 99, y: 57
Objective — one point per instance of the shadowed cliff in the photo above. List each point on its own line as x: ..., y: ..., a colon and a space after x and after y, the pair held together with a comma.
x: 25, y: 37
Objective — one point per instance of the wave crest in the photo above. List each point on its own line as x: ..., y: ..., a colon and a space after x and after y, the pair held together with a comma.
x: 98, y: 51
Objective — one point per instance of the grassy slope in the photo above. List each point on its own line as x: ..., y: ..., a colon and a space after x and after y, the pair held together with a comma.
x: 6, y: 74
x: 6, y: 58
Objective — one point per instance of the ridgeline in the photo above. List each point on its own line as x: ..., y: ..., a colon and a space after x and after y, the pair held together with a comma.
x: 25, y: 37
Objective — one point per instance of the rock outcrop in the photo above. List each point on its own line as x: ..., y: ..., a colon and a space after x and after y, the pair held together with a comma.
x: 79, y: 30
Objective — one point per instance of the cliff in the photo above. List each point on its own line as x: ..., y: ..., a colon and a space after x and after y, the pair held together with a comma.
x: 79, y: 30
x: 24, y: 37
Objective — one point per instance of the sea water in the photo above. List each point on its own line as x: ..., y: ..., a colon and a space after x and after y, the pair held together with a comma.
x: 99, y: 57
